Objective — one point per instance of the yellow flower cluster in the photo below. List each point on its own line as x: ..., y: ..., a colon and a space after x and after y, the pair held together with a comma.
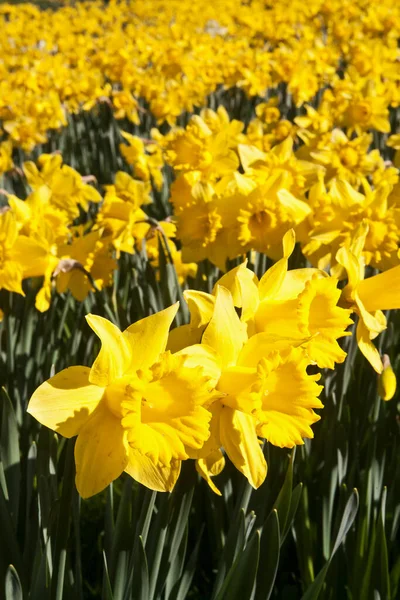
x: 173, y: 55
x: 38, y: 237
x: 150, y: 401
x: 236, y: 373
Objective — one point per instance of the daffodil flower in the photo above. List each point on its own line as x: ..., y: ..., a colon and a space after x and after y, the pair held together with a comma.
x: 264, y: 389
x: 138, y: 409
x: 368, y: 297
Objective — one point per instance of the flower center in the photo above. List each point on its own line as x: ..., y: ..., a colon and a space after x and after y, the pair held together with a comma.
x: 349, y: 157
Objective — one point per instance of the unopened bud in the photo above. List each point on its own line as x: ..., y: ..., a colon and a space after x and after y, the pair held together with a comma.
x: 387, y: 380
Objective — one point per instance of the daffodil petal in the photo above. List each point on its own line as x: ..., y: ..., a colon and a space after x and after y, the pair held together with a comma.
x: 242, y: 284
x: 381, y: 292
x: 290, y: 394
x: 367, y: 348
x: 65, y: 402
x: 225, y: 333
x: 148, y: 337
x: 157, y: 477
x: 241, y: 388
x: 204, y: 356
x: 100, y: 452
x: 183, y: 336
x: 210, y: 466
x: 201, y: 307
x: 115, y: 355
x: 239, y: 438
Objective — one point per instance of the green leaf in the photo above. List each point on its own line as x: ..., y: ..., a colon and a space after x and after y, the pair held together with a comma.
x: 107, y: 590
x: 241, y: 578
x: 9, y: 548
x: 10, y: 453
x: 269, y: 556
x: 182, y: 586
x: 376, y: 571
x: 294, y: 503
x: 13, y: 585
x: 63, y: 524
x: 283, y: 502
x: 156, y: 545
x: 141, y: 588
x: 235, y: 539
x: 349, y: 514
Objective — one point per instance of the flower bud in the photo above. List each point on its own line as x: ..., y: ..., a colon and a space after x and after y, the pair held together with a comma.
x: 387, y: 380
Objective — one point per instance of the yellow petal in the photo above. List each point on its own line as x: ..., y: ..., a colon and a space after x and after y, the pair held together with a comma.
x: 100, y: 452
x: 262, y: 344
x: 272, y: 280
x: 183, y: 336
x: 353, y: 268
x: 148, y: 337
x: 381, y: 292
x: 242, y: 284
x: 296, y: 209
x: 225, y: 333
x: 114, y: 357
x: 205, y: 357
x: 201, y: 306
x: 210, y: 466
x: 158, y: 477
x: 239, y: 438
x: 288, y: 242
x: 367, y: 347
x: 65, y: 402
x: 241, y: 388
x: 290, y: 394
x: 249, y: 155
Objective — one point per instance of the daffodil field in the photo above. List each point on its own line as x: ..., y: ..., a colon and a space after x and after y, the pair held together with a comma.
x: 199, y: 284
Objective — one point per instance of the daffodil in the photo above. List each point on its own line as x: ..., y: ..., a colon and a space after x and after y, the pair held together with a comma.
x: 263, y: 385
x: 138, y: 409
x: 299, y: 306
x: 368, y: 297
x: 20, y: 256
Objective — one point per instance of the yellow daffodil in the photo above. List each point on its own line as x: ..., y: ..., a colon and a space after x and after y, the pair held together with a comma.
x: 368, y: 297
x: 138, y: 409
x: 20, y: 256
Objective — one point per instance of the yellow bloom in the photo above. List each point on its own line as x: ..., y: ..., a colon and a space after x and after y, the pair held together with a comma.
x: 18, y: 254
x: 301, y: 305
x: 128, y: 189
x: 368, y: 297
x: 125, y: 105
x: 85, y: 265
x: 147, y: 161
x: 198, y: 148
x: 336, y: 215
x: 68, y: 188
x: 138, y: 408
x: 347, y: 159
x: 263, y: 385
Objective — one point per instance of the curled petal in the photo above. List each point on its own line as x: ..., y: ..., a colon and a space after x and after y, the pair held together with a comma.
x: 210, y: 466
x: 367, y: 347
x: 114, y: 357
x: 65, y: 402
x: 239, y: 438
